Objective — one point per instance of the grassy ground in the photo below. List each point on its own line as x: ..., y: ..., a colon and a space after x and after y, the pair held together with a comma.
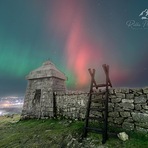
x: 58, y: 134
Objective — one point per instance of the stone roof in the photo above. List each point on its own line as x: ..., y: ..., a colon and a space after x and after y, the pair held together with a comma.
x: 48, y: 69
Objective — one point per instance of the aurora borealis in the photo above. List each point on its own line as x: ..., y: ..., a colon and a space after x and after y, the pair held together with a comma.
x: 75, y: 35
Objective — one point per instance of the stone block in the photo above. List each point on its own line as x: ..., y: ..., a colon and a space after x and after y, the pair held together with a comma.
x: 96, y: 104
x: 145, y: 90
x: 111, y: 91
x: 142, y: 124
x: 140, y: 129
x: 111, y: 105
x: 110, y: 109
x: 112, y: 124
x: 140, y: 117
x: 138, y: 91
x: 120, y: 95
x: 112, y: 97
x: 117, y: 108
x: 125, y: 90
x: 128, y: 126
x: 138, y: 107
x: 144, y: 111
x: 113, y: 114
x: 140, y: 99
x: 118, y: 105
x: 96, y: 97
x: 116, y: 100
x: 125, y: 114
x: 118, y: 120
x: 118, y: 90
x: 145, y: 106
x: 127, y: 100
x: 127, y: 106
x: 110, y: 119
x: 129, y: 120
x: 129, y: 96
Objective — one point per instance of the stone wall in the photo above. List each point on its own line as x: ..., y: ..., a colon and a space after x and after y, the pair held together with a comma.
x: 72, y: 105
x: 128, y: 108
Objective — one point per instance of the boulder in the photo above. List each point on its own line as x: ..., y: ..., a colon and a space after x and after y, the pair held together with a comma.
x: 122, y: 136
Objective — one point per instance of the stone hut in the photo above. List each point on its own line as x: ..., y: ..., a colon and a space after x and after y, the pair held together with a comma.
x: 42, y: 82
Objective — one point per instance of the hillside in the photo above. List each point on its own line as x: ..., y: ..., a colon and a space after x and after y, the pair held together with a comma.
x: 52, y: 133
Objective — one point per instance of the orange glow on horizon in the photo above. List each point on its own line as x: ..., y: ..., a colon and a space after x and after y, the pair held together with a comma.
x: 6, y: 105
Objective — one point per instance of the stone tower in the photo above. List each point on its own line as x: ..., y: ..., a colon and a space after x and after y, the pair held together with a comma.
x: 42, y: 82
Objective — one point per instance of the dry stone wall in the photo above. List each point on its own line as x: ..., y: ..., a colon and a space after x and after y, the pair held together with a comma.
x: 72, y: 105
x: 128, y: 108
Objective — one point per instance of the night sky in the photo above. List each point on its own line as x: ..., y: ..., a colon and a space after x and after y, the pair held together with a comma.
x: 74, y: 35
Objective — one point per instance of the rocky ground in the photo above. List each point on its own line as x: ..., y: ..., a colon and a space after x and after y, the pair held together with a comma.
x: 51, y: 133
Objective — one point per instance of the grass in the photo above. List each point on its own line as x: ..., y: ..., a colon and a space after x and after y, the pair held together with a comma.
x: 52, y: 133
